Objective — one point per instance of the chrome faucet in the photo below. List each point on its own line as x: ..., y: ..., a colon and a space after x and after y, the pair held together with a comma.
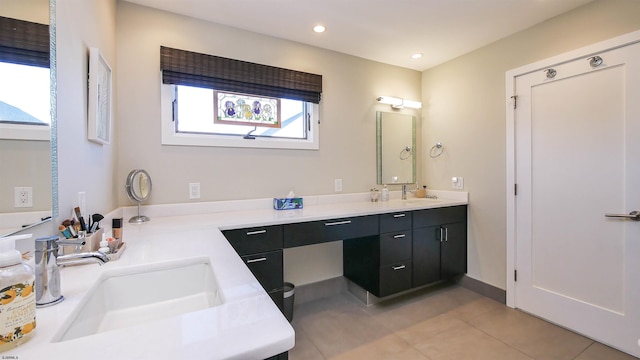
x: 48, y: 267
x: 404, y: 191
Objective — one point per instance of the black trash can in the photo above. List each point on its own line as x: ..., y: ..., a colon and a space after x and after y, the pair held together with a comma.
x: 289, y: 294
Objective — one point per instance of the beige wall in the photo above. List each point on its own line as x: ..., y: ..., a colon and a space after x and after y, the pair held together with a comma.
x: 82, y: 165
x: 25, y: 163
x: 29, y: 10
x: 347, y: 130
x: 465, y: 104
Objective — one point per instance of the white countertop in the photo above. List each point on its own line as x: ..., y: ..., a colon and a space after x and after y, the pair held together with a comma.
x: 248, y: 325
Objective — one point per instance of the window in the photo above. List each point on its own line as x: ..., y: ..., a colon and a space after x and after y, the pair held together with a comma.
x: 24, y: 78
x: 213, y: 101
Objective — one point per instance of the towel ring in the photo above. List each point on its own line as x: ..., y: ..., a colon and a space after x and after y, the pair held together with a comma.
x: 406, y: 150
x: 436, y: 150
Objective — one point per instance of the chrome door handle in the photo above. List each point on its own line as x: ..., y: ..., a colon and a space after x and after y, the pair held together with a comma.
x: 634, y: 215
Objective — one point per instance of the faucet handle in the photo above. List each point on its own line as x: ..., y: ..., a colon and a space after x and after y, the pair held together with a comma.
x: 77, y: 242
x: 47, y: 243
x: 52, y: 243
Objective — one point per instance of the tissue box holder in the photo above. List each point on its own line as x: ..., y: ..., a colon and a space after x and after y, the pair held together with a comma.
x: 287, y: 203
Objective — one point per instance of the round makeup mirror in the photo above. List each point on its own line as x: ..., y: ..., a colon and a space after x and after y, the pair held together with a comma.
x: 138, y: 188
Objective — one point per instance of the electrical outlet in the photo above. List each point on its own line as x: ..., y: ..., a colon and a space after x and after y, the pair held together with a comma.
x: 194, y: 190
x: 337, y: 185
x: 457, y: 182
x: 23, y: 197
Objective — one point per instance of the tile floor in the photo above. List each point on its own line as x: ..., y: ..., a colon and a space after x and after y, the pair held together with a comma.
x: 443, y: 322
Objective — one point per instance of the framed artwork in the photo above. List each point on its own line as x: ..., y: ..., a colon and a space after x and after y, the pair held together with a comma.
x: 100, y: 98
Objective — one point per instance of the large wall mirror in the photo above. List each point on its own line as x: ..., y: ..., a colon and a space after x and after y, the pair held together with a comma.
x: 27, y: 131
x: 396, y: 148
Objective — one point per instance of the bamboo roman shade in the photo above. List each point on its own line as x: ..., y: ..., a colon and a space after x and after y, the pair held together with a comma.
x: 24, y: 42
x: 188, y: 68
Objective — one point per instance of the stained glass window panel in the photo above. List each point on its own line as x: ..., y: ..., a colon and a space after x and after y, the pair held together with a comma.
x: 241, y: 109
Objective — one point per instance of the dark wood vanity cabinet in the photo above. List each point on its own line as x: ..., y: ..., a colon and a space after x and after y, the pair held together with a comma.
x: 261, y: 250
x: 384, y: 254
x: 439, y: 244
x: 381, y: 263
x: 412, y: 249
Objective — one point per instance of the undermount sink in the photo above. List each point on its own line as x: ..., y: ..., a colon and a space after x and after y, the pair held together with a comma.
x: 420, y: 200
x: 132, y: 296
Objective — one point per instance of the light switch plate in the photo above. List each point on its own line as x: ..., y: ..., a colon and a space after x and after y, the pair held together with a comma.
x: 457, y: 182
x: 194, y: 190
x: 338, y: 185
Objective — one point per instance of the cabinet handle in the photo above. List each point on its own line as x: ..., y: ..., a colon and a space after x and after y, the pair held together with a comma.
x: 338, y: 223
x: 399, y: 267
x: 399, y: 236
x: 441, y: 235
x: 256, y: 260
x: 399, y: 215
x: 249, y: 233
x: 446, y: 234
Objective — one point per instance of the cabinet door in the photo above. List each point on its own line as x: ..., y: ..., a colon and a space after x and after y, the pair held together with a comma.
x: 267, y: 268
x: 426, y: 255
x: 453, y: 257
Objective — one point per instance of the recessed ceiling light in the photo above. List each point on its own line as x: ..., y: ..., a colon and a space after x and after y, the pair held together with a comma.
x: 319, y: 28
x: 416, y: 56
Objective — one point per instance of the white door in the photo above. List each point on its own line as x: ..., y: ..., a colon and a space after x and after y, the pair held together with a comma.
x: 577, y: 157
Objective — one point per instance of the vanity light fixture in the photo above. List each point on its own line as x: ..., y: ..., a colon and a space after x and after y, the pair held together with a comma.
x: 398, y: 103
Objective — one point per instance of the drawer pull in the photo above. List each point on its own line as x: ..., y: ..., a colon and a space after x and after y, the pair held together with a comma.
x: 338, y: 223
x: 249, y: 233
x: 399, y: 215
x: 399, y: 236
x: 399, y: 267
x: 256, y: 260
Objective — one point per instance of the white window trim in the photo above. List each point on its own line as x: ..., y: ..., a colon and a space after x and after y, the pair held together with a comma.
x: 25, y: 132
x: 171, y: 137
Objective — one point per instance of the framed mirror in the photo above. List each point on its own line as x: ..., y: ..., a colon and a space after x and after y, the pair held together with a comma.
x: 27, y: 131
x: 396, y: 148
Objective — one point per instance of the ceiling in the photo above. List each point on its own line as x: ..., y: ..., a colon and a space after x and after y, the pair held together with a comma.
x: 388, y: 31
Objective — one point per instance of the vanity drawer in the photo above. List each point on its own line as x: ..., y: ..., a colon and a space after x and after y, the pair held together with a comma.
x: 395, y: 278
x: 439, y: 216
x: 395, y: 221
x: 267, y: 268
x: 395, y: 246
x: 255, y: 240
x: 315, y: 232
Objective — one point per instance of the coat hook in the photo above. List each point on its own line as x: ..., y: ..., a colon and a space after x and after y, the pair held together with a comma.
x: 551, y: 73
x: 595, y: 61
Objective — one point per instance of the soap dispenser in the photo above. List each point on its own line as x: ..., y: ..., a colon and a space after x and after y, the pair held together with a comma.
x: 17, y: 296
x: 385, y: 193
